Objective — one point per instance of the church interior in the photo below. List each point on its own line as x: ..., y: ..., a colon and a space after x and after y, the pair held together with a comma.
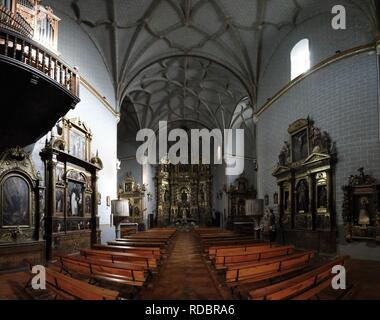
x: 290, y: 196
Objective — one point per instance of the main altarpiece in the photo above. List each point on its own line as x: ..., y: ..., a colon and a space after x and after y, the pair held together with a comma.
x: 183, y: 194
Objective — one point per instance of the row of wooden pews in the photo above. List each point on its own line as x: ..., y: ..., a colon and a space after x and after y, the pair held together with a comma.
x: 266, y: 271
x: 113, y: 271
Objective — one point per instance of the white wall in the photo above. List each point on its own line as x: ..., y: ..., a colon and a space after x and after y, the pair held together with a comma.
x: 341, y: 98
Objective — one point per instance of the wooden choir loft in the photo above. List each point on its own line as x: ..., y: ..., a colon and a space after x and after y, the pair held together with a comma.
x: 75, y: 199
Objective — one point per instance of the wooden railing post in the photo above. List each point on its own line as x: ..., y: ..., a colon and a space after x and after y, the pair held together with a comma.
x: 76, y: 80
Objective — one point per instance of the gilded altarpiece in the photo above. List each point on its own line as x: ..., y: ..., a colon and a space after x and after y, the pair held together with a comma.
x: 238, y: 194
x: 305, y: 176
x: 135, y: 194
x: 183, y: 194
x: 71, y: 174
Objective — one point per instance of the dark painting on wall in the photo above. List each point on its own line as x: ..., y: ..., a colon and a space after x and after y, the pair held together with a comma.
x: 59, y: 201
x: 74, y: 199
x: 88, y: 204
x: 15, y: 202
x: 300, y: 147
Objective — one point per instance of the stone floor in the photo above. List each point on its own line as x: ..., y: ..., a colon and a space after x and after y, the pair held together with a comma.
x: 186, y: 275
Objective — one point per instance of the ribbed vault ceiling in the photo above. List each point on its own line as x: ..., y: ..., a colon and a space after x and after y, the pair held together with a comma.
x: 191, y: 59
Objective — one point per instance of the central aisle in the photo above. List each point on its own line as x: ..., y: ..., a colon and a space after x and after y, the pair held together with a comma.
x: 184, y: 275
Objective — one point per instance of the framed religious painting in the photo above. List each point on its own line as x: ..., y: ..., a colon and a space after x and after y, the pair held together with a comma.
x: 300, y: 145
x: 60, y: 201
x: 75, y: 193
x: 77, y: 144
x: 75, y: 138
x: 15, y: 202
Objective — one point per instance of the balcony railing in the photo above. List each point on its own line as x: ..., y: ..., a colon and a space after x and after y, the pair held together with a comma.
x: 15, y: 22
x: 26, y: 3
x: 29, y: 52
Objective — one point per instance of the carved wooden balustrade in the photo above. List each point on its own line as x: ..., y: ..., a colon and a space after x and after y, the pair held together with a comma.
x: 26, y: 3
x: 29, y: 52
x: 14, y: 21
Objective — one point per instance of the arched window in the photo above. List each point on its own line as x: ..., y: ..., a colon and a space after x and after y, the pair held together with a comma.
x: 300, y: 58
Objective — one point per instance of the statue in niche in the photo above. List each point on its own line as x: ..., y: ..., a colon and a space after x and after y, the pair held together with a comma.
x: 202, y: 194
x: 303, y: 196
x: 322, y: 197
x: 364, y: 219
x: 166, y: 195
x: 321, y: 142
x: 316, y: 139
x: 184, y: 196
x: 284, y: 156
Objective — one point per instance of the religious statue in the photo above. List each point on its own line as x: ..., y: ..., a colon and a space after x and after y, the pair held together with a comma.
x: 303, y: 196
x: 364, y: 219
x: 202, y: 194
x: 166, y: 195
x: 184, y: 196
x: 284, y: 155
x: 322, y: 197
x: 316, y: 139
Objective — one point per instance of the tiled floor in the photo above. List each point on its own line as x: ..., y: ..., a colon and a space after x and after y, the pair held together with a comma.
x: 185, y: 275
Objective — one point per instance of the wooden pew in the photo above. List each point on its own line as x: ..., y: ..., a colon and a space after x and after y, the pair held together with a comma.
x: 259, y: 254
x: 145, y: 260
x: 130, y: 243
x: 152, y: 241
x: 69, y: 288
x: 118, y: 264
x: 236, y: 249
x: 217, y: 235
x: 98, y: 271
x: 253, y: 272
x: 223, y: 242
x: 145, y: 250
x: 301, y: 287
